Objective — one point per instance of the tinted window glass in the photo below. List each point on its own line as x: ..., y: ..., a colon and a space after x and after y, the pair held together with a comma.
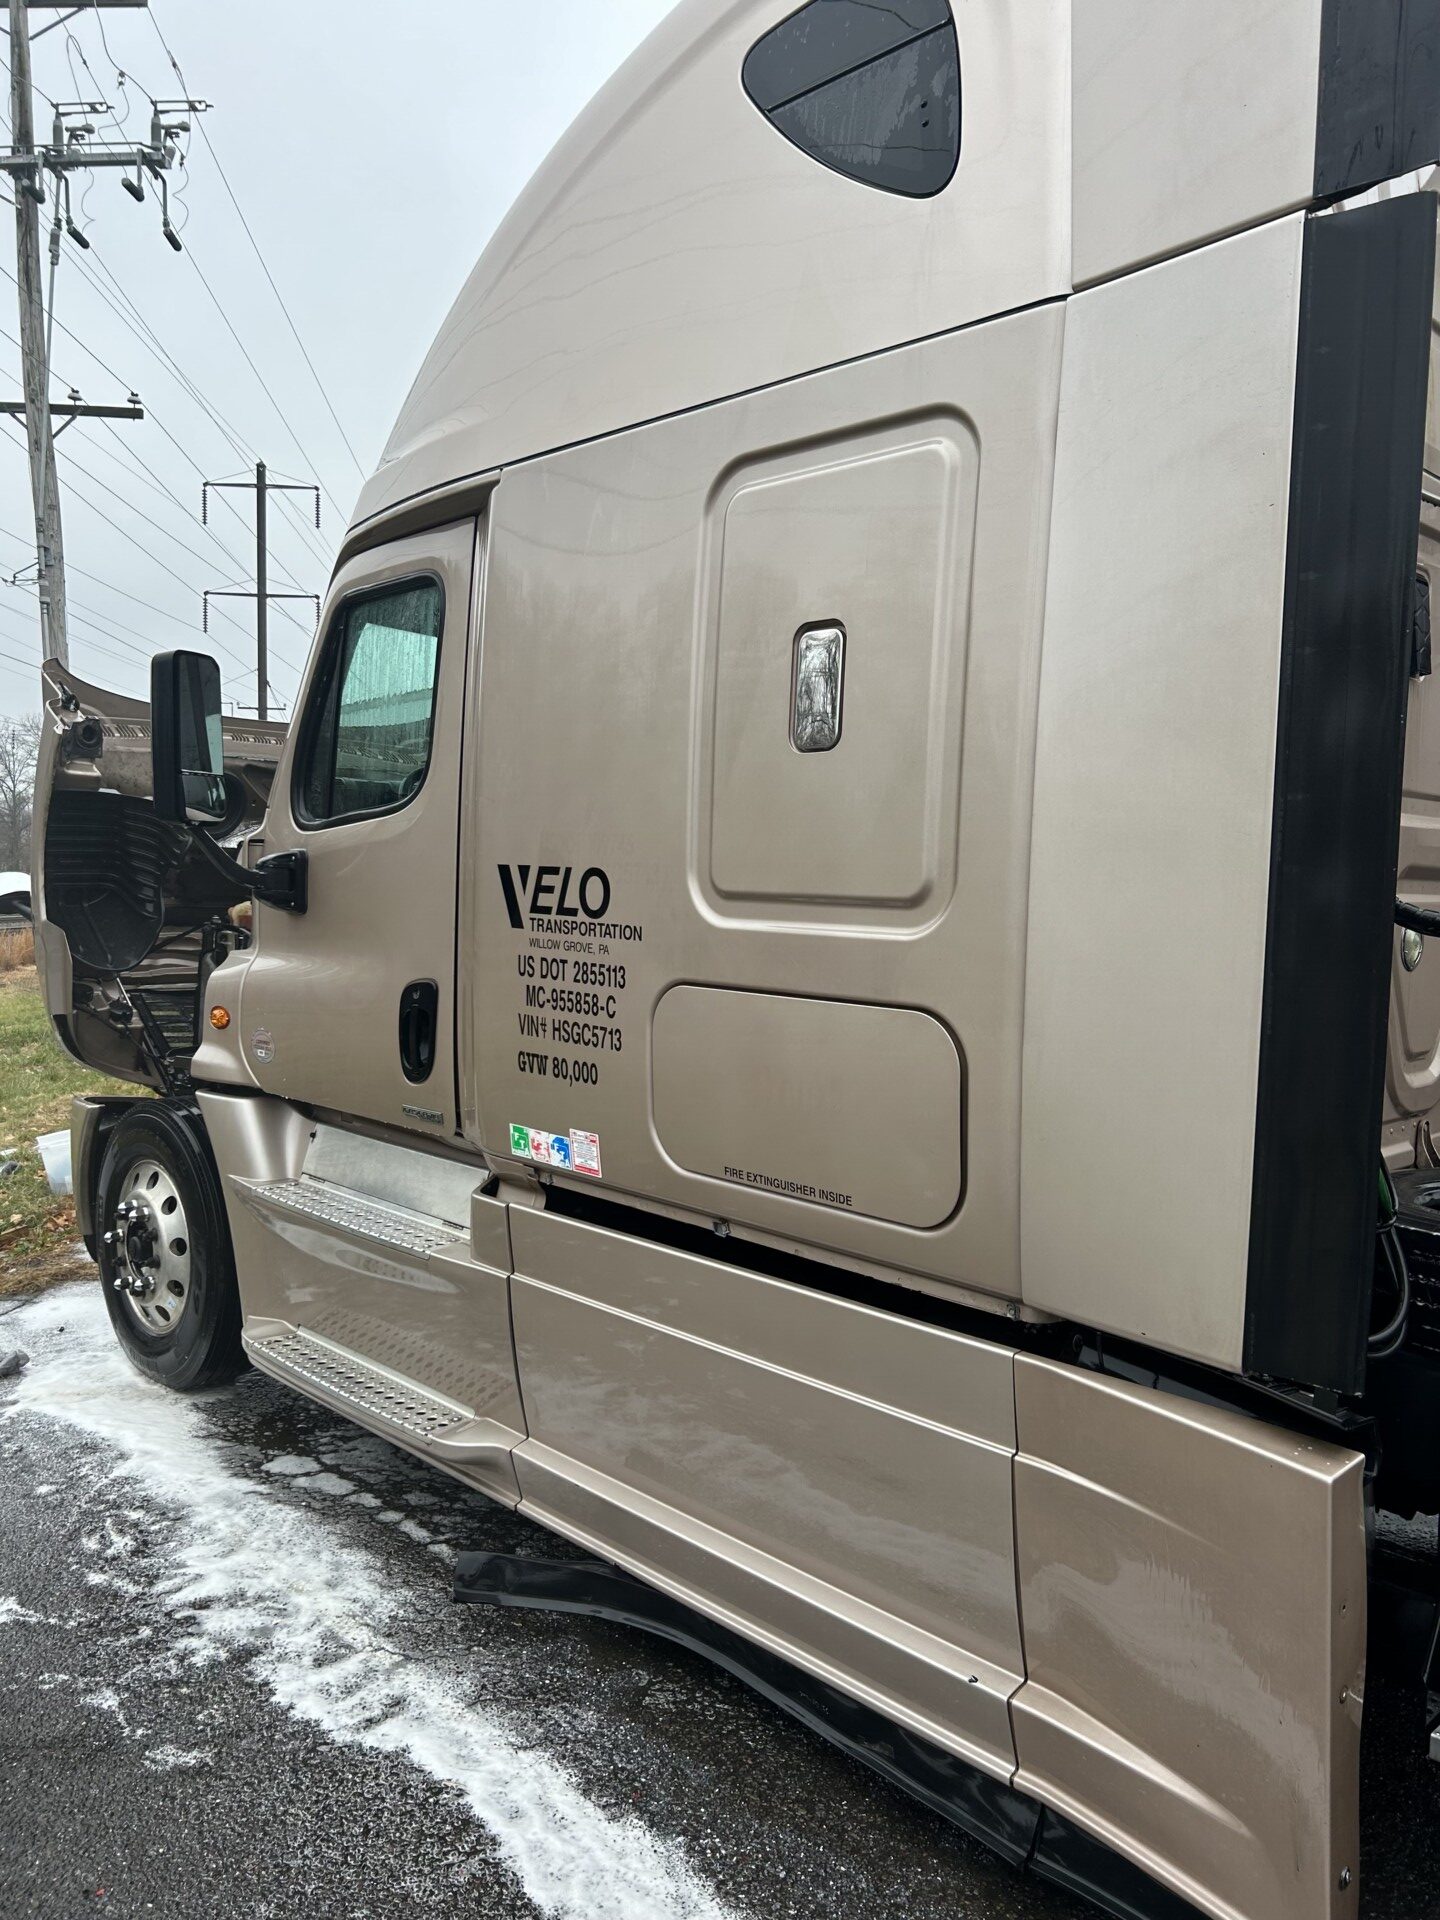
x: 371, y: 740
x: 872, y: 90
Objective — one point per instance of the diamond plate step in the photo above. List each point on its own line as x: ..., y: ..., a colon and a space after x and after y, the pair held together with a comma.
x: 369, y: 1391
x: 354, y: 1213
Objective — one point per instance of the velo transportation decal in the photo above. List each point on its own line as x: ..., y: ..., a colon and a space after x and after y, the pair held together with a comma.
x: 571, y: 1015
x: 574, y: 1152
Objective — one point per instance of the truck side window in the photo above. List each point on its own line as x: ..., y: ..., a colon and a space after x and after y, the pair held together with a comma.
x: 870, y: 89
x: 367, y: 742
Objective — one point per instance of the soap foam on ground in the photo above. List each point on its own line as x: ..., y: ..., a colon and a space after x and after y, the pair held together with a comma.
x: 254, y: 1578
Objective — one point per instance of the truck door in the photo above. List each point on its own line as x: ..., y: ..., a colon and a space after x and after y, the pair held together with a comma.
x: 350, y: 1006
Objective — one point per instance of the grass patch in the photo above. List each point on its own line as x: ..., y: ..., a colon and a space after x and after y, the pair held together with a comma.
x: 37, y: 1230
x: 17, y: 949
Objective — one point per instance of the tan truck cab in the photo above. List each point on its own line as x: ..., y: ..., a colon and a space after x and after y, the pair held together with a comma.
x: 814, y: 995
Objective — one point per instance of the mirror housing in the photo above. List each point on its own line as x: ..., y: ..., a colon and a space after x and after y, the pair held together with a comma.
x: 187, y: 755
x: 189, y: 784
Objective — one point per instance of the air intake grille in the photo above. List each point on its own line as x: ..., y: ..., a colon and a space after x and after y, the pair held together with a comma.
x: 173, y: 1009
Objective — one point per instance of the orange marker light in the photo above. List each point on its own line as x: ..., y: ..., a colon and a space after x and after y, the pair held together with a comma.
x: 219, y: 1018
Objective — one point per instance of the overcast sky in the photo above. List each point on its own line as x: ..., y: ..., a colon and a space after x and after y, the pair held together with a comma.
x: 373, y: 147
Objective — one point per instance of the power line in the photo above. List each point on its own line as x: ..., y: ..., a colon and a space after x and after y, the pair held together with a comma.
x: 31, y: 163
x: 172, y: 495
x: 71, y: 43
x: 199, y: 472
x: 150, y: 339
x: 84, y: 642
x: 144, y: 652
x: 151, y: 414
x: 207, y: 529
x: 119, y: 71
x: 264, y: 264
x: 184, y: 545
x: 155, y: 560
x: 104, y: 367
x: 140, y: 653
x: 73, y: 150
x: 156, y: 348
x: 110, y: 586
x: 264, y: 384
x: 104, y: 613
x: 15, y: 660
x: 146, y: 334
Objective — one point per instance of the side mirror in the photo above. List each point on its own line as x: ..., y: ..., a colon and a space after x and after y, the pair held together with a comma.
x: 187, y: 756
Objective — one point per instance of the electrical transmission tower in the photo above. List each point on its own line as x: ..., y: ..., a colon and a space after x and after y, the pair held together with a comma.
x: 72, y: 146
x: 262, y: 486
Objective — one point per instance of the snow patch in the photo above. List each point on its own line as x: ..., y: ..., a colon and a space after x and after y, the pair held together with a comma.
x: 330, y: 1483
x: 256, y: 1579
x: 116, y: 1584
x: 291, y: 1464
x: 167, y: 1759
x: 107, y: 1700
x: 11, y: 1613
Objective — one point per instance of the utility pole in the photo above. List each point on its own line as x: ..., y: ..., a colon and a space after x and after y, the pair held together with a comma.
x: 35, y: 359
x: 263, y: 486
x: 71, y: 146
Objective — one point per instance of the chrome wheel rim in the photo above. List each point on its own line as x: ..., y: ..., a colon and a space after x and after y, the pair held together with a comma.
x: 149, y: 1241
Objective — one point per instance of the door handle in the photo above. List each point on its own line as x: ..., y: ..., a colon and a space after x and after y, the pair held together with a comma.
x: 419, y: 1014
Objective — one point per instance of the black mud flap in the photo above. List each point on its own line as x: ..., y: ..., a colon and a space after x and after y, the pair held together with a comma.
x: 1009, y: 1823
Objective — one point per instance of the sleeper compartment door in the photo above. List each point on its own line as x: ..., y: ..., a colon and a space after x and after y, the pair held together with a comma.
x: 350, y: 1006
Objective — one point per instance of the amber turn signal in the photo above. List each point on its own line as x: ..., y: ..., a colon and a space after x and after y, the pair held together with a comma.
x: 219, y: 1018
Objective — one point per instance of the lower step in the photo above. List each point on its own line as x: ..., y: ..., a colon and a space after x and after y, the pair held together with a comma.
x: 372, y: 1393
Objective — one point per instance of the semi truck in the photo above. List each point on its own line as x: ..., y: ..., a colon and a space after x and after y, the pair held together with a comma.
x: 828, y: 992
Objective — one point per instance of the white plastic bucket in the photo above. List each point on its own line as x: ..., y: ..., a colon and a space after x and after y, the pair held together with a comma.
x: 55, y: 1152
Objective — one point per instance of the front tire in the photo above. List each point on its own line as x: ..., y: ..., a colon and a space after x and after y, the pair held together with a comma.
x: 165, y: 1258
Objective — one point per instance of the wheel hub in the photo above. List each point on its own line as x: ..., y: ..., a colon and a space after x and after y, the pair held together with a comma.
x: 148, y: 1239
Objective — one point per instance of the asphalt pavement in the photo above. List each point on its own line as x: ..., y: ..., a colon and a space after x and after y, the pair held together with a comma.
x: 232, y: 1683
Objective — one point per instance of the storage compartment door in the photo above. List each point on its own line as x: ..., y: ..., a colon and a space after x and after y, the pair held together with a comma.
x: 833, y: 1481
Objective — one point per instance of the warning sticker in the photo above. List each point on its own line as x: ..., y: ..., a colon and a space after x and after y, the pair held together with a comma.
x: 585, y: 1153
x: 573, y: 1152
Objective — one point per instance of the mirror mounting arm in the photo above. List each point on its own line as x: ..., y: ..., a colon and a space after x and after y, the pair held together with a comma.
x: 281, y: 880
x: 287, y: 880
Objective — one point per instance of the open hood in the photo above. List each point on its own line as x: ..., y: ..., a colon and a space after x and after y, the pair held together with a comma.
x: 127, y: 917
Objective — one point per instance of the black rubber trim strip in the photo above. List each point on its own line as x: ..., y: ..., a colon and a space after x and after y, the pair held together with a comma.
x: 1010, y: 1823
x: 1379, y: 98
x: 1358, y: 450
x: 1077, y: 1861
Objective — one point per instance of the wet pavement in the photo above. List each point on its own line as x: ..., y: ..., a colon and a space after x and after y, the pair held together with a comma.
x: 232, y: 1684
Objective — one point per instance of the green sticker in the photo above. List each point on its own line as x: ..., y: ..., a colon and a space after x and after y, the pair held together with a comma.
x: 520, y: 1141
